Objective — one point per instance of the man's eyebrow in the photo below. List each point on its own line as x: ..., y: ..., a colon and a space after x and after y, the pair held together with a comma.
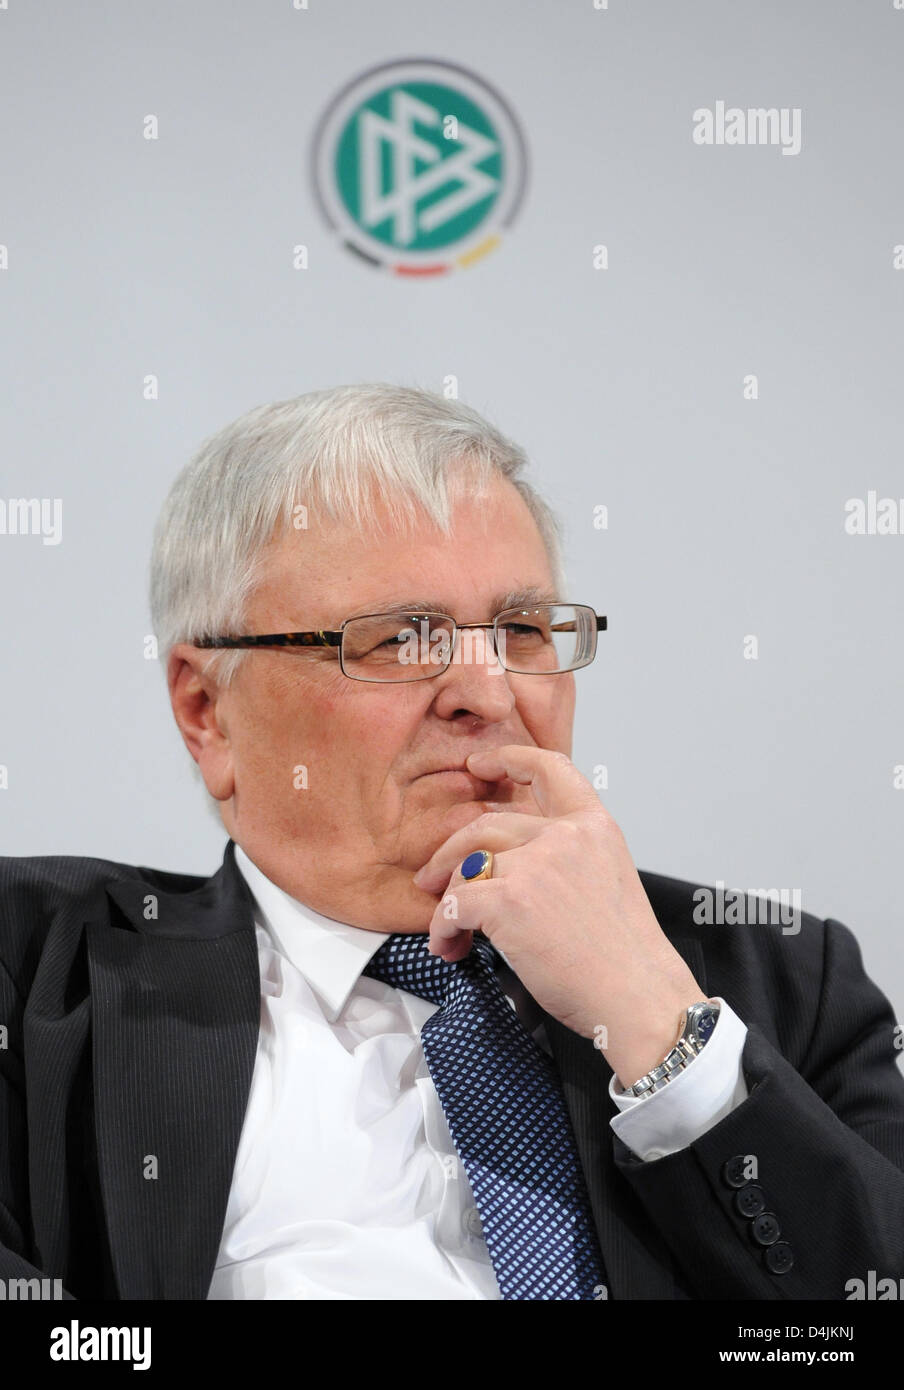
x: 515, y: 598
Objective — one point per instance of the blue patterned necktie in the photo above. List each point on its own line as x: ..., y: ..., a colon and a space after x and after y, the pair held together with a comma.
x: 506, y: 1114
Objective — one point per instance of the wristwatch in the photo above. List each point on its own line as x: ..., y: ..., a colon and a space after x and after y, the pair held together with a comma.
x: 696, y: 1025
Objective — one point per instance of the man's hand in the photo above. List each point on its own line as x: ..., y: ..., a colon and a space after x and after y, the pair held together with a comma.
x: 567, y: 909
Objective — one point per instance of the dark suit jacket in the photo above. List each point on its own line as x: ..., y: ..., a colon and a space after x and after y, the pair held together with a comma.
x: 131, y: 1001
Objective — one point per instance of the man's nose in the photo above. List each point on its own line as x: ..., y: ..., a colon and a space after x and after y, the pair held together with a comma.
x: 474, y: 680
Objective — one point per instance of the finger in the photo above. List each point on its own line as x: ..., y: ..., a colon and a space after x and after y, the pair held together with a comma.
x: 495, y: 831
x: 464, y: 909
x: 554, y: 780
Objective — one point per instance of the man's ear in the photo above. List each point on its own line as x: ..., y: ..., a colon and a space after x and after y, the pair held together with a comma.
x: 197, y: 703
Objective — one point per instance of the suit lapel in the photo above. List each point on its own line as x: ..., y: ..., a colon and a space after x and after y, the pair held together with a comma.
x: 175, y: 1010
x: 638, y: 1263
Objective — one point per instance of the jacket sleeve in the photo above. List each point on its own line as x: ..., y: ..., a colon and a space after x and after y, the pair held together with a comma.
x: 14, y: 1221
x: 799, y: 1191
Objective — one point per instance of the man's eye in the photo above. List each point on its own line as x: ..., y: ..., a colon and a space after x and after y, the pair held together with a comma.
x: 400, y: 637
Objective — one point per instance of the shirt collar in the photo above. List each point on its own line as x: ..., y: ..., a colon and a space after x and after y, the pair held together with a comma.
x: 330, y: 955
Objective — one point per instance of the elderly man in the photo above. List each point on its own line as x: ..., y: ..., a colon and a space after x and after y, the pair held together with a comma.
x: 427, y: 1033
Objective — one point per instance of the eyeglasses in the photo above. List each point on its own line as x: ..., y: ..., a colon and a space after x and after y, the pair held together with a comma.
x: 544, y: 639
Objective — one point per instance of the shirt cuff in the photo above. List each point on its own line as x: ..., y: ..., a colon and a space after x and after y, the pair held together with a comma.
x: 701, y: 1095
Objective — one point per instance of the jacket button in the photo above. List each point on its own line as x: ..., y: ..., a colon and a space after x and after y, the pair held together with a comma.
x: 779, y: 1258
x: 765, y: 1228
x: 750, y: 1200
x: 734, y: 1172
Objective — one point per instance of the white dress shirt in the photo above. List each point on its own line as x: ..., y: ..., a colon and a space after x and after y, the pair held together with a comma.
x: 346, y: 1182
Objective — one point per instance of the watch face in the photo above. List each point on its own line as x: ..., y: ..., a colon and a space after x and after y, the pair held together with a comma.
x: 705, y: 1022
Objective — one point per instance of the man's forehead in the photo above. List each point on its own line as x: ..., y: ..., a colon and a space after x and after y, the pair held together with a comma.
x: 308, y: 599
x: 336, y: 567
x: 437, y: 603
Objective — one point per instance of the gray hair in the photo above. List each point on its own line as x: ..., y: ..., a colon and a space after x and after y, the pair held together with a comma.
x: 338, y: 451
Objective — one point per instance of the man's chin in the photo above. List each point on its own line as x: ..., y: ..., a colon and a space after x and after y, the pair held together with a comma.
x: 435, y: 824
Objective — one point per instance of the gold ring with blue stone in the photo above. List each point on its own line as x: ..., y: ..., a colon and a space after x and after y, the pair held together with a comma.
x: 477, y: 865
